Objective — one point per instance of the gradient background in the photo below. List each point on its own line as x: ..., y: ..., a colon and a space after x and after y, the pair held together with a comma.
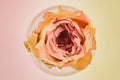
x: 15, y: 17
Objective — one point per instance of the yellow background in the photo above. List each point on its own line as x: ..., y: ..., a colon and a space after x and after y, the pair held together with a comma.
x: 15, y: 16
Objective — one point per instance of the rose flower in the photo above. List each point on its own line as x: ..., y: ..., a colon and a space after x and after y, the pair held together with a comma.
x: 63, y: 39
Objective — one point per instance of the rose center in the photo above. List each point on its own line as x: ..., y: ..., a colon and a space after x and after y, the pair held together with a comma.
x: 64, y: 41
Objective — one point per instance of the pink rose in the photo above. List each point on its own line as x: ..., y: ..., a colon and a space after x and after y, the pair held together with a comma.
x: 64, y: 38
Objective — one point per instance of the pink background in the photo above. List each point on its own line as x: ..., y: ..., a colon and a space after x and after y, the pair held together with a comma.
x: 15, y: 17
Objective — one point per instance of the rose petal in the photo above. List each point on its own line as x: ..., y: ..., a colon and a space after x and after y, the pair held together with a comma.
x: 32, y: 41
x: 81, y: 20
x: 90, y: 43
x: 83, y: 62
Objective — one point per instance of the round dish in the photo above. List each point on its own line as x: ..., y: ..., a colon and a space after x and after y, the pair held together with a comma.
x: 61, y: 40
